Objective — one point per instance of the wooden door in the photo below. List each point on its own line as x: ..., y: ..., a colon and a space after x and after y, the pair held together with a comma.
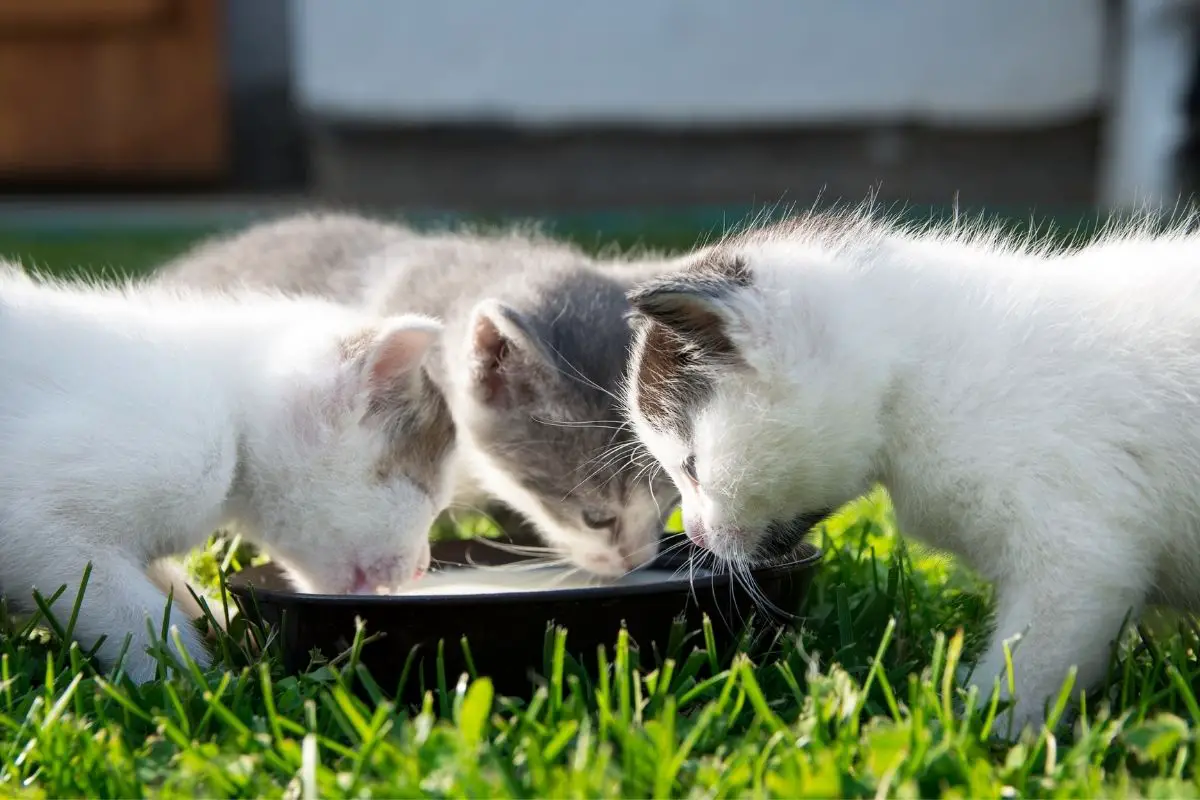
x: 111, y: 89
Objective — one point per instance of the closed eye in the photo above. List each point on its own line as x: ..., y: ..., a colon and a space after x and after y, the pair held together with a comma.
x: 689, y: 470
x: 598, y: 520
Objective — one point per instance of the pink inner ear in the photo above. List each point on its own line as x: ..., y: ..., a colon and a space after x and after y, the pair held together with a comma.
x: 490, y: 350
x: 399, y: 352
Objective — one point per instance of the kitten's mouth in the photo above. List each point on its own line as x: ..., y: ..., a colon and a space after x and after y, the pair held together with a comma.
x: 782, y: 538
x: 381, y: 579
x: 604, y: 565
x: 362, y: 584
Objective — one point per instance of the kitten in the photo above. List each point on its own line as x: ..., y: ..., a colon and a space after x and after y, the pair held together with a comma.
x: 1033, y: 412
x: 136, y: 420
x: 536, y: 343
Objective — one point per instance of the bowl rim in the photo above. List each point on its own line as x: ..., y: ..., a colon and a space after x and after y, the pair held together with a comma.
x: 808, y: 556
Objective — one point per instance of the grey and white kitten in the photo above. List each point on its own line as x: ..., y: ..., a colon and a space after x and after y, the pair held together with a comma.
x: 536, y: 343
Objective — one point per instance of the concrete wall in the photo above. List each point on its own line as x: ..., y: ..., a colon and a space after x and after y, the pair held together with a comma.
x: 710, y: 62
x: 685, y: 66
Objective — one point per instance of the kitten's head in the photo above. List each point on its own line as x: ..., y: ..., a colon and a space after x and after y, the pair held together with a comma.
x: 543, y: 418
x: 750, y: 385
x: 351, y: 475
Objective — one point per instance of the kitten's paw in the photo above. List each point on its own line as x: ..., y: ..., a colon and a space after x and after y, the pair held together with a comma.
x: 189, y: 636
x: 141, y: 662
x: 140, y: 669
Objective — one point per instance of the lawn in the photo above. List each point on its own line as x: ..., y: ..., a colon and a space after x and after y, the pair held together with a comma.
x: 859, y: 702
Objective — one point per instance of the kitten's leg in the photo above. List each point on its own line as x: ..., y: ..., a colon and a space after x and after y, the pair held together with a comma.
x: 117, y: 601
x: 1068, y: 611
x: 170, y: 576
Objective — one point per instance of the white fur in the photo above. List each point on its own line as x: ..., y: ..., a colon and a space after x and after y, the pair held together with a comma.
x: 134, y: 422
x: 1037, y: 414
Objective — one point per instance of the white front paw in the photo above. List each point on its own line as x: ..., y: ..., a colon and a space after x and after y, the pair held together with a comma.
x: 139, y: 667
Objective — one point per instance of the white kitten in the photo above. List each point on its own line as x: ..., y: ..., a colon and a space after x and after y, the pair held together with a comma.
x: 135, y: 421
x: 1037, y: 414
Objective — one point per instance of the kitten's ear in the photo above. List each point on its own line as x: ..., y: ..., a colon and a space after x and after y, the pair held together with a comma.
x: 507, y: 360
x: 372, y: 363
x: 633, y: 319
x: 390, y: 353
x: 402, y: 346
x: 677, y: 304
x: 693, y: 311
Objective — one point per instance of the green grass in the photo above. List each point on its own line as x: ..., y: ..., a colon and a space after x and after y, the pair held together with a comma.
x: 104, y: 253
x: 859, y: 702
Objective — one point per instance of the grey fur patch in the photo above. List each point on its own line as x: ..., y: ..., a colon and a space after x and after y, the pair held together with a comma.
x: 311, y: 253
x: 420, y: 429
x: 415, y: 417
x: 566, y: 441
x: 688, y: 302
x: 556, y: 440
x: 667, y: 387
x: 682, y: 339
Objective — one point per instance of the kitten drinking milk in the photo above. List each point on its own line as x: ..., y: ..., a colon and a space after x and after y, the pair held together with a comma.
x: 136, y: 420
x: 536, y: 346
x: 1036, y: 413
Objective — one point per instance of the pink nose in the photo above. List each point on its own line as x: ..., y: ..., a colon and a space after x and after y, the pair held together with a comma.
x: 360, y: 583
x: 366, y: 579
x: 423, y: 562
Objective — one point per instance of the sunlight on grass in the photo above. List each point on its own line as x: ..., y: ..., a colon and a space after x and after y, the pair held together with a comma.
x: 853, y: 705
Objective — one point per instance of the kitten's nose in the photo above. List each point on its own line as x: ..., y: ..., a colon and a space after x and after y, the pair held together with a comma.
x: 359, y: 583
x: 632, y: 558
x: 379, y: 574
x: 423, y: 562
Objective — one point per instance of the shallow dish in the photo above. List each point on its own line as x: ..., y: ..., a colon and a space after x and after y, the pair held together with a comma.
x: 505, y: 620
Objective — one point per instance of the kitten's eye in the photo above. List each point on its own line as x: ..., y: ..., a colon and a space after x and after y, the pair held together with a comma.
x: 598, y: 520
x: 689, y: 469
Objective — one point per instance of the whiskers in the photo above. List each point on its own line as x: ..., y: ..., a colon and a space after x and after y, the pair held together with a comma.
x: 629, y: 450
x: 598, y: 424
x: 549, y: 566
x: 534, y: 555
x: 649, y: 471
x: 576, y: 374
x: 738, y: 569
x: 741, y: 571
x: 536, y: 559
x: 632, y: 450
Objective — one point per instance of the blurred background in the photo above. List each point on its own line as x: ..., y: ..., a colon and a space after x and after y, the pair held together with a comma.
x: 140, y: 124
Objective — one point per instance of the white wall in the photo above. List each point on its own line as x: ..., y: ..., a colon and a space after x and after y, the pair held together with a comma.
x: 1147, y: 124
x: 975, y: 62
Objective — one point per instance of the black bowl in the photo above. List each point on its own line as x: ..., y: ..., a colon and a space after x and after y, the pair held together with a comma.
x: 506, y: 632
